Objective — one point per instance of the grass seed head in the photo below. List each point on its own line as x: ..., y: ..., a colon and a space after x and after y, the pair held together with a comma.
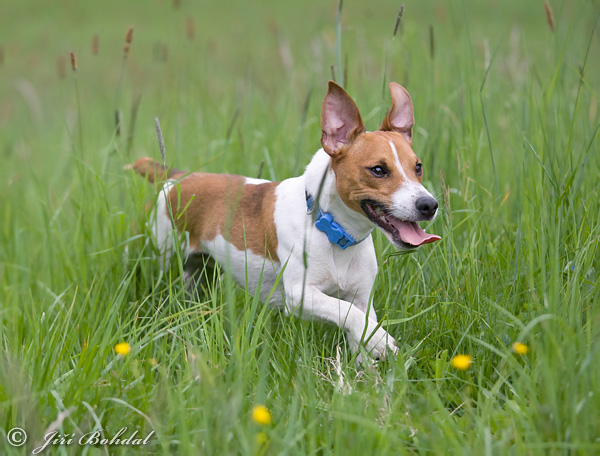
x: 398, y: 20
x: 95, y: 44
x: 549, y: 15
x: 190, y: 28
x: 73, y: 60
x: 129, y: 35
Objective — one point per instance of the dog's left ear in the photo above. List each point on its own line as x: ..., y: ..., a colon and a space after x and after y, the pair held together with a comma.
x: 340, y: 120
x: 400, y: 117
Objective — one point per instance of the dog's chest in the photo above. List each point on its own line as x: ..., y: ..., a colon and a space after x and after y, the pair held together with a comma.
x: 344, y: 272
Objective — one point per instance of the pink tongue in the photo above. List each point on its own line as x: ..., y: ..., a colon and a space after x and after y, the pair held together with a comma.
x: 411, y: 233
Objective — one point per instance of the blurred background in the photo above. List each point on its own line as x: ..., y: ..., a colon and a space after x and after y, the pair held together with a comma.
x: 221, y: 75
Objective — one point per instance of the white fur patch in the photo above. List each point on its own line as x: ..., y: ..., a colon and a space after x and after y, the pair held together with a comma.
x: 404, y: 199
x: 162, y: 227
x: 245, y: 267
x: 254, y: 181
x: 397, y: 161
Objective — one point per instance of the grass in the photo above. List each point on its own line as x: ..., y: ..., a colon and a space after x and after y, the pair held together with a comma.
x: 519, y: 259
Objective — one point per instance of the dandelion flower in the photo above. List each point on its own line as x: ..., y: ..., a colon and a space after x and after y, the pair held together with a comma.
x: 462, y: 362
x: 261, y: 415
x: 123, y: 348
x: 520, y: 348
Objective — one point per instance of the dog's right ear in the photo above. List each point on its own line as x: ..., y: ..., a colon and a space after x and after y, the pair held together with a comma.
x: 340, y: 120
x: 400, y: 117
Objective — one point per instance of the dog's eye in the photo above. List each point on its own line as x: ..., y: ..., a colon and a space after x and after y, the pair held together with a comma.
x: 378, y: 171
x: 419, y: 169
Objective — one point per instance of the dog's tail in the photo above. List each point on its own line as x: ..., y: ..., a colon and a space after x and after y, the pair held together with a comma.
x: 153, y: 170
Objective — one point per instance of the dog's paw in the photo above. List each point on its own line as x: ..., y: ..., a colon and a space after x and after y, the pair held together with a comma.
x: 378, y: 343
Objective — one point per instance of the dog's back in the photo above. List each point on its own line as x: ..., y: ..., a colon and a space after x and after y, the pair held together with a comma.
x: 223, y: 214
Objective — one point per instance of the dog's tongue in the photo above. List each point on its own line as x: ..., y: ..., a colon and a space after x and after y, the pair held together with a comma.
x: 411, y: 233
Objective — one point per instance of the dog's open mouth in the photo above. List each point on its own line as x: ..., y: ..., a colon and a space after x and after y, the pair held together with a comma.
x: 404, y: 233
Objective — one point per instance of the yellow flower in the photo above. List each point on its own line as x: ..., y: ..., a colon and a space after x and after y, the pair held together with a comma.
x: 462, y: 362
x: 123, y: 348
x: 261, y: 415
x: 520, y: 348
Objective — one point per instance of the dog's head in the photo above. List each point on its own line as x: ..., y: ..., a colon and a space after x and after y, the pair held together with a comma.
x: 377, y: 173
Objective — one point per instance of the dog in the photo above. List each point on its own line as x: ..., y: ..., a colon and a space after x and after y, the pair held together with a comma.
x: 305, y: 243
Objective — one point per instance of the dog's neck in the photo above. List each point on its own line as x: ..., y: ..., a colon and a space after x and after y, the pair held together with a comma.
x: 327, y: 197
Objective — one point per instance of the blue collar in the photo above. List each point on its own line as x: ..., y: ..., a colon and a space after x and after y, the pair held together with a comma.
x: 324, y: 222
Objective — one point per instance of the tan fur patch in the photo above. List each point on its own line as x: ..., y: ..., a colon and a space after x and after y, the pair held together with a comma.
x: 210, y: 204
x: 356, y: 183
x: 154, y: 171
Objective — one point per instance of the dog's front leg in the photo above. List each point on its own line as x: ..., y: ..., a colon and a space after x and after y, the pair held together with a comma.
x: 312, y: 303
x: 361, y: 299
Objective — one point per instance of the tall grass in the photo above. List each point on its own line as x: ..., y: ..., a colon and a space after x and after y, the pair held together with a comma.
x: 518, y: 260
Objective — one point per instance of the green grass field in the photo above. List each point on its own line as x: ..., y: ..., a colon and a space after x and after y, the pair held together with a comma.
x: 506, y: 125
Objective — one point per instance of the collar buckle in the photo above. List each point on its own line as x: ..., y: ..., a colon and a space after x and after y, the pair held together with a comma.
x: 325, y: 223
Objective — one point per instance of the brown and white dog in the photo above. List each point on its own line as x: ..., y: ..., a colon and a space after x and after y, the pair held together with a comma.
x: 313, y: 232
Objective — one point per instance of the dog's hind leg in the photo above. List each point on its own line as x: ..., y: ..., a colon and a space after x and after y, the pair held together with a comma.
x: 199, y: 272
x: 163, y: 232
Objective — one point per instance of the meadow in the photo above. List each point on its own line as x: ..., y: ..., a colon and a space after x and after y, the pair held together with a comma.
x: 506, y: 105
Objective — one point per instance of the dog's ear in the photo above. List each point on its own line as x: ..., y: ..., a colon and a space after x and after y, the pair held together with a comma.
x: 400, y: 117
x: 340, y: 120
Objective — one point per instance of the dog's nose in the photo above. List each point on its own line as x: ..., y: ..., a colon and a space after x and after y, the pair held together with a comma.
x: 427, y: 206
